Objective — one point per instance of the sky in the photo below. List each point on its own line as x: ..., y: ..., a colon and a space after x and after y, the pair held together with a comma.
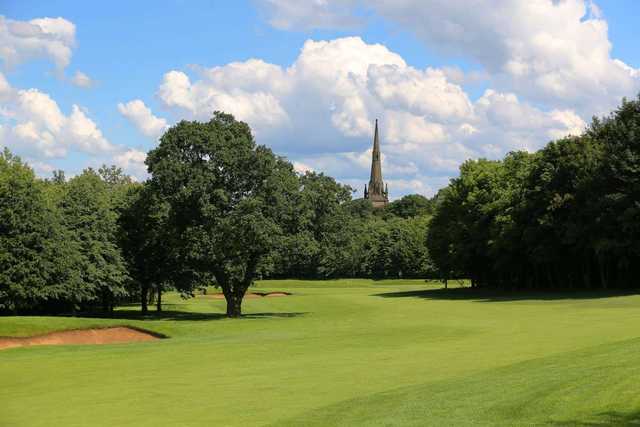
x: 90, y: 83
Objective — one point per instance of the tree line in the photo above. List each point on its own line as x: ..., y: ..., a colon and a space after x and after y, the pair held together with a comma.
x: 218, y: 209
x: 59, y: 247
x: 565, y: 217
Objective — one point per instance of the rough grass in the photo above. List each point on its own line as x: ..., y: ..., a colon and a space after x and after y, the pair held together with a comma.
x: 340, y: 353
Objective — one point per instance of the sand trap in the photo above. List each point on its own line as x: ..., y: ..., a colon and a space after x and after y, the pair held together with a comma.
x: 120, y: 334
x: 251, y: 295
x: 277, y: 294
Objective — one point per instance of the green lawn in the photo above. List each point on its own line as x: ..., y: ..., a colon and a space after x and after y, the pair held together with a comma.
x: 352, y: 352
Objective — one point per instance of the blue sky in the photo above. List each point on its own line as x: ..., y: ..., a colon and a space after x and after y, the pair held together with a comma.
x: 447, y: 83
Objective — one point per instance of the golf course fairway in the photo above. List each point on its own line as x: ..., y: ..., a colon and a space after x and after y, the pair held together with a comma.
x: 345, y: 352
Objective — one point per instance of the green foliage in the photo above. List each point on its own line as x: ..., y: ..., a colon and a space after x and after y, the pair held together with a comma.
x: 29, y: 240
x: 565, y: 217
x: 59, y: 240
x: 399, y: 249
x: 218, y: 209
x: 147, y: 244
x: 230, y: 201
x: 410, y: 206
x: 355, y: 240
x: 90, y: 214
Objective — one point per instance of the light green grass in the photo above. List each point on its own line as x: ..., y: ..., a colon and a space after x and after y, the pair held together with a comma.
x: 340, y: 353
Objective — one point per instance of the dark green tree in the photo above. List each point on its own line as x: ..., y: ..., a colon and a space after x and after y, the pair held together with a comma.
x: 147, y: 244
x: 37, y: 259
x: 319, y: 216
x: 563, y: 218
x: 410, y: 206
x: 230, y: 200
x: 89, y: 213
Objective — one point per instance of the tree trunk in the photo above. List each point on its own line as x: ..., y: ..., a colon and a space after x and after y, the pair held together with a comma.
x: 144, y: 302
x: 234, y: 306
x: 586, y: 271
x: 603, y: 273
x: 159, y: 300
x: 234, y: 292
x: 234, y: 299
x: 105, y: 302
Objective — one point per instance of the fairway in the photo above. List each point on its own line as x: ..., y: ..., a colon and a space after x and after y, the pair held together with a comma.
x: 349, y: 352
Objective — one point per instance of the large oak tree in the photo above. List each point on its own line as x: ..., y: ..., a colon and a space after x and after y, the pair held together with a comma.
x: 229, y: 200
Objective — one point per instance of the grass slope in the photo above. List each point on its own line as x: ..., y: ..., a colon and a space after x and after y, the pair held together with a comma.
x: 594, y: 387
x: 340, y: 353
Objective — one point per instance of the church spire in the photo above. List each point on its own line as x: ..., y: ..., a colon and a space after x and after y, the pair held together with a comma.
x: 377, y: 192
x: 376, y: 166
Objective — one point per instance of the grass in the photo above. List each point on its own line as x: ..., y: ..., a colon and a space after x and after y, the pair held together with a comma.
x: 353, y: 352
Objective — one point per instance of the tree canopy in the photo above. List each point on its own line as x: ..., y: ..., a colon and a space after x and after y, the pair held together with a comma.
x: 229, y: 199
x: 564, y: 217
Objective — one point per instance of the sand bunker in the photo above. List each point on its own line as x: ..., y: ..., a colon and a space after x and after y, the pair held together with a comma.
x: 120, y: 334
x: 252, y: 295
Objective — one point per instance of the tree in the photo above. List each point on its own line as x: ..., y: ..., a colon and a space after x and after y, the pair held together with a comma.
x: 230, y: 200
x: 89, y: 213
x: 147, y: 244
x: 616, y: 185
x: 564, y: 217
x: 398, y: 249
x: 318, y: 206
x: 411, y: 205
x: 38, y: 261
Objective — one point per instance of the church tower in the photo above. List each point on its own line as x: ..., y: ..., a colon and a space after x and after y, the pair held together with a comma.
x: 377, y: 192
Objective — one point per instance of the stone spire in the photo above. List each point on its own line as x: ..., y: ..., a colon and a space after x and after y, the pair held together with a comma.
x: 376, y: 192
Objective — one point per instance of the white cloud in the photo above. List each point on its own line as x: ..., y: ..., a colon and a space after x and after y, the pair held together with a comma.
x: 288, y: 14
x: 302, y: 167
x: 35, y: 125
x: 412, y: 186
x: 404, y: 129
x: 41, y: 168
x: 319, y: 112
x: 200, y: 99
x: 80, y: 79
x: 143, y: 119
x: 504, y: 123
x: 132, y: 162
x: 425, y: 93
x: 52, y: 38
x: 552, y: 52
x: 83, y: 133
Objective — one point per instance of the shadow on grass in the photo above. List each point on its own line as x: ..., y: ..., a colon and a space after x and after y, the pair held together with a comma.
x: 609, y: 418
x: 495, y: 295
x: 184, y: 315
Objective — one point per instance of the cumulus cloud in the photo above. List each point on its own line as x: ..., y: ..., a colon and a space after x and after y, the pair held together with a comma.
x: 200, y: 99
x: 80, y: 79
x: 143, y: 119
x: 32, y: 123
x: 426, y: 93
x: 52, y: 38
x: 504, y: 123
x: 132, y: 162
x: 322, y: 107
x: 33, y: 126
x: 552, y: 52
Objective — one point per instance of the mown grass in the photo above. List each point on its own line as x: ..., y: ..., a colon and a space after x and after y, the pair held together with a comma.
x: 340, y: 353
